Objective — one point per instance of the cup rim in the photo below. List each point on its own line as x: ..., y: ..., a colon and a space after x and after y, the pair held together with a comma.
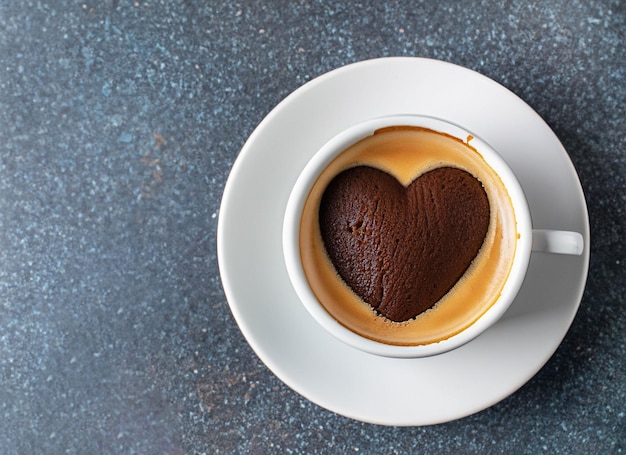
x: 295, y: 205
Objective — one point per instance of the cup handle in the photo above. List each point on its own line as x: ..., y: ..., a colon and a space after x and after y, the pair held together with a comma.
x: 559, y: 242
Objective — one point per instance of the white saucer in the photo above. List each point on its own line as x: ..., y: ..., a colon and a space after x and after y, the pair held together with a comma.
x: 312, y: 362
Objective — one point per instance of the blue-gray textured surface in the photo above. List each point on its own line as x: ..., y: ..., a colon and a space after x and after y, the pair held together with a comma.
x: 119, y: 123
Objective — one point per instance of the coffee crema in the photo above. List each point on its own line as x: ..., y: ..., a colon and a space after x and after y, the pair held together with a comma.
x: 412, y: 155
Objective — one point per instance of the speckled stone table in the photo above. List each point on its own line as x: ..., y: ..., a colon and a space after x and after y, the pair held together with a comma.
x: 119, y: 124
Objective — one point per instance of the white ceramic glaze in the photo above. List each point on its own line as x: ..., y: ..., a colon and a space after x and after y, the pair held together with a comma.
x: 295, y: 204
x: 417, y: 391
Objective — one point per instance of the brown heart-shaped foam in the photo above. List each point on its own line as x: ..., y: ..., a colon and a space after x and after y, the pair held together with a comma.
x: 402, y: 249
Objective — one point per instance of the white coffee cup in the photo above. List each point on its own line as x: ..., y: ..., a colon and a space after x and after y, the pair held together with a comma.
x: 529, y: 239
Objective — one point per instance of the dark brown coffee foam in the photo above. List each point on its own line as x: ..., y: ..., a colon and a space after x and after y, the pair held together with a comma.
x: 402, y: 249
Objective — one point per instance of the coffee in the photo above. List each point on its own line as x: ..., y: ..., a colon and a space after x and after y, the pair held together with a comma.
x: 377, y: 233
x: 407, y: 237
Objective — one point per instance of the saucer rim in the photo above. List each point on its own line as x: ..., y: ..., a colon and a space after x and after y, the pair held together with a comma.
x: 276, y: 366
